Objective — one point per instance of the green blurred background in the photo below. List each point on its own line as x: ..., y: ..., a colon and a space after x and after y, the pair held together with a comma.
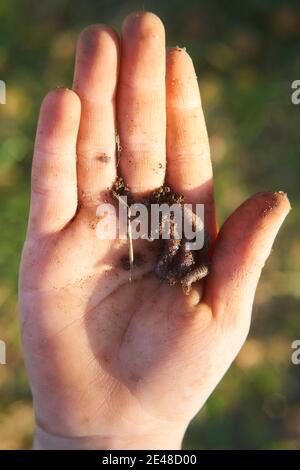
x: 246, y: 56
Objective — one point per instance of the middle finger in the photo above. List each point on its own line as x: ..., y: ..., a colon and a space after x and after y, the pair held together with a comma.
x: 141, y: 103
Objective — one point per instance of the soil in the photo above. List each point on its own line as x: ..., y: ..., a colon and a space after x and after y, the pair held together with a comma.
x: 175, y: 264
x: 104, y: 158
x: 119, y: 188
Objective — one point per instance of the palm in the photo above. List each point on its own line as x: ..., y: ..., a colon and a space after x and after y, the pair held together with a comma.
x: 98, y: 347
x: 118, y: 334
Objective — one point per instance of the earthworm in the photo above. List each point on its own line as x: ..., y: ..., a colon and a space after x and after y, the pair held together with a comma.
x: 193, y: 276
x: 176, y: 263
x: 171, y: 248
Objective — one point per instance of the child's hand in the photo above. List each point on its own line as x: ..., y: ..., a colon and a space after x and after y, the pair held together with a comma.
x: 114, y: 364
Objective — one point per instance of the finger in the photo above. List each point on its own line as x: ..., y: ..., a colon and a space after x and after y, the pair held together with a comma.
x: 53, y: 185
x: 95, y: 81
x: 141, y: 102
x: 243, y: 245
x: 189, y: 169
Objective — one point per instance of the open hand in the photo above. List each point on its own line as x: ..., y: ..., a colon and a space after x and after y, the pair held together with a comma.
x: 113, y: 363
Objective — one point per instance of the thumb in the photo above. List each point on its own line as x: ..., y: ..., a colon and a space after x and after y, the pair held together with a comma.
x: 242, y: 247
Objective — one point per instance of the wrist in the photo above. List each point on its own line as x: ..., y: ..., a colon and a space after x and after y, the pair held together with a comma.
x: 157, y: 440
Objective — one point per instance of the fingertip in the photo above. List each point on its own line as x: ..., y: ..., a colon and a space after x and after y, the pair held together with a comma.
x: 181, y: 79
x: 58, y: 121
x: 144, y: 23
x: 276, y: 200
x: 180, y: 70
x: 61, y: 102
x: 97, y: 63
x: 96, y: 36
x: 178, y: 57
x: 247, y: 236
x: 269, y: 205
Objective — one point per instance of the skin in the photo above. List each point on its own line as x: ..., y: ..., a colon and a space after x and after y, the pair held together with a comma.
x: 114, y: 364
